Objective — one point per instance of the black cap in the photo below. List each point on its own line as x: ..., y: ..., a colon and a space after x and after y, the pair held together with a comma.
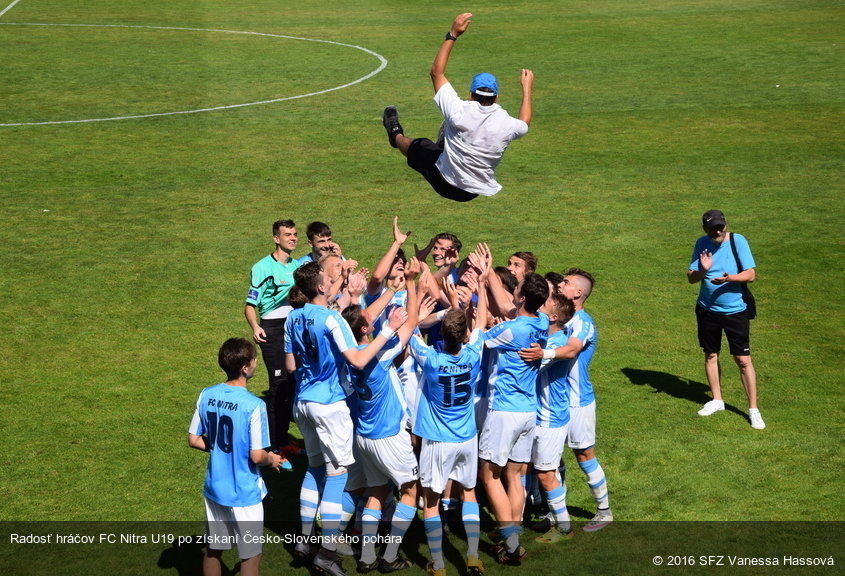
x: 713, y: 218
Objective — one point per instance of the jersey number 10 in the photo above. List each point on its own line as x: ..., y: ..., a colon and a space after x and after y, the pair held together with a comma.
x: 220, y: 431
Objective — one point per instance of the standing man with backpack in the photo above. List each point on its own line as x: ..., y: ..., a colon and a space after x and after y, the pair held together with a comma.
x: 722, y: 265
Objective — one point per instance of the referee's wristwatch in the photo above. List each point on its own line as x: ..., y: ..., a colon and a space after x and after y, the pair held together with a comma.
x: 450, y: 37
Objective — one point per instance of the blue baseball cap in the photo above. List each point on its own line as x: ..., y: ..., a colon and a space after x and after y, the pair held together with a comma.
x: 484, y: 84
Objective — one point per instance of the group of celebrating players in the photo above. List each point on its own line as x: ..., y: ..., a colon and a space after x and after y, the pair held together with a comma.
x: 409, y: 384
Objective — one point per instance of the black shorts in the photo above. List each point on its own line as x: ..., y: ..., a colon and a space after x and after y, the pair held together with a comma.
x: 737, y: 329
x: 422, y: 157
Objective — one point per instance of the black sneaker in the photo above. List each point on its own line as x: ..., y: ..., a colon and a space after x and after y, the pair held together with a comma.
x: 540, y: 523
x: 400, y: 563
x: 511, y: 558
x: 365, y: 568
x: 303, y: 551
x: 390, y: 119
x: 328, y: 563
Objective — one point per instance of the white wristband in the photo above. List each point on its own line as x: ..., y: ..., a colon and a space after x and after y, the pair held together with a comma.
x: 548, y: 354
x: 387, y: 332
x: 441, y: 315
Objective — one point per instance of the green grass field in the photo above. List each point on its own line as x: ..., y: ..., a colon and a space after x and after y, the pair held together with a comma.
x: 126, y: 244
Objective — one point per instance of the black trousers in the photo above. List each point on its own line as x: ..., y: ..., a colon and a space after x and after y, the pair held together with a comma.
x: 280, y: 391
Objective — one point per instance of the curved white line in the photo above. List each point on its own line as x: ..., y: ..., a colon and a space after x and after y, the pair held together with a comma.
x: 382, y: 66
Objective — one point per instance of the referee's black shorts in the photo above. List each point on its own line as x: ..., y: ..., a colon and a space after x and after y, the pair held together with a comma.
x: 422, y: 157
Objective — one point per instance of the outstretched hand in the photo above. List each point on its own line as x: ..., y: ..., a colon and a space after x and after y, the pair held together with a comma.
x: 705, y: 261
x: 526, y: 78
x: 398, y: 236
x: 357, y: 283
x: 427, y: 306
x: 397, y: 317
x: 412, y: 269
x: 461, y: 23
x: 422, y: 254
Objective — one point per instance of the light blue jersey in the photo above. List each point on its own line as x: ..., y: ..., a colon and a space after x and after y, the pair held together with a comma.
x: 581, y: 326
x: 722, y: 298
x: 400, y: 299
x: 552, y: 391
x: 235, y: 422
x: 446, y: 411
x: 379, y: 410
x: 513, y: 382
x: 318, y: 337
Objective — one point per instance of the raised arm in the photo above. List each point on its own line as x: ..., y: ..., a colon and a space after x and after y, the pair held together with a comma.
x: 375, y: 309
x: 478, y: 260
x: 360, y: 358
x: 526, y: 110
x: 500, y: 300
x: 413, y: 306
x: 386, y: 263
x: 355, y: 284
x: 438, y: 67
x: 705, y: 261
x: 422, y: 253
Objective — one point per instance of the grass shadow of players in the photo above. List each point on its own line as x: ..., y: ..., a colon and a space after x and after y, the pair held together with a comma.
x: 675, y: 386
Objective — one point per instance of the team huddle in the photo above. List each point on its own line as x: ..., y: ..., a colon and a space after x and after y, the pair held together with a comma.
x: 430, y: 386
x: 412, y: 384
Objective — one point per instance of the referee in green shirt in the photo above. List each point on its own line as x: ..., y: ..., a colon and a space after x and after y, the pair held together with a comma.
x: 266, y: 310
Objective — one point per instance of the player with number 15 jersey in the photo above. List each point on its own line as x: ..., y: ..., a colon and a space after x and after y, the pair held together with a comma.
x: 446, y: 412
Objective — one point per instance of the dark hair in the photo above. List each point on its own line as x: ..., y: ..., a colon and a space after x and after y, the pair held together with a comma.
x: 529, y: 259
x: 279, y: 224
x: 354, y: 316
x: 400, y: 255
x: 234, y: 354
x: 554, y: 278
x: 307, y: 278
x: 535, y: 291
x: 453, y: 329
x: 456, y: 244
x: 483, y: 100
x: 563, y: 307
x: 317, y: 229
x: 506, y: 276
x: 296, y: 298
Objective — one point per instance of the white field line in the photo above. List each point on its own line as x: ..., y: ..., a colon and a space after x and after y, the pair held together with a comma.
x: 382, y: 66
x: 9, y: 7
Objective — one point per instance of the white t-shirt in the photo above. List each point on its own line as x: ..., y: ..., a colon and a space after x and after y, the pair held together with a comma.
x: 475, y: 139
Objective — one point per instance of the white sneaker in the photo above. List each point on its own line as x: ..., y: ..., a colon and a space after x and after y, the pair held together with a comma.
x: 711, y: 407
x: 756, y: 419
x: 599, y: 521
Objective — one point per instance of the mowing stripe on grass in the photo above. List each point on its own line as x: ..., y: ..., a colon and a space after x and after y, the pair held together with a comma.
x: 382, y: 66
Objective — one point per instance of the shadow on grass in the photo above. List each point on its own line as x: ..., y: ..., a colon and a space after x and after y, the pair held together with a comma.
x: 695, y: 392
x: 186, y: 559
